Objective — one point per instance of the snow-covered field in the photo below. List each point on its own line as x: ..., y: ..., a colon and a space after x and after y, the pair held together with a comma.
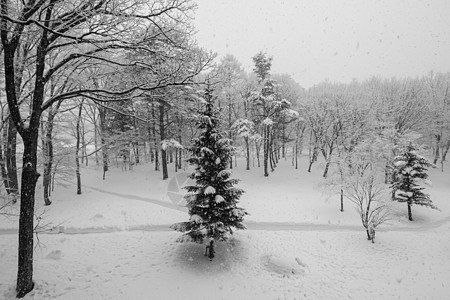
x: 113, y: 242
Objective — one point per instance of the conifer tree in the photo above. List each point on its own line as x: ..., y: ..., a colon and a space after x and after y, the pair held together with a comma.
x: 410, y: 171
x: 212, y: 200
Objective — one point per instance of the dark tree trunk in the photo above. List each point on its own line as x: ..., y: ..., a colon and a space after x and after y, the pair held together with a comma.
x: 444, y: 154
x: 272, y: 154
x: 83, y: 144
x: 230, y: 134
x: 327, y: 166
x: 313, y: 152
x: 437, y: 149
x: 176, y: 160
x: 328, y: 158
x: 48, y: 161
x: 95, y: 136
x: 180, y: 139
x: 136, y: 153
x: 77, y: 151
x: 313, y: 158
x: 47, y: 171
x: 258, y: 151
x: 48, y: 153
x: 283, y: 142
x: 410, y: 212
x: 162, y: 137
x: 136, y: 143
x: 10, y: 155
x: 4, y: 145
x: 3, y: 169
x: 102, y: 117
x: 247, y: 148
x: 29, y: 179
x: 342, y: 200
x: 155, y: 140
x: 266, y: 149
x: 150, y: 132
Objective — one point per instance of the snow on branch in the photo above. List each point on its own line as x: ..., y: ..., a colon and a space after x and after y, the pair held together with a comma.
x: 171, y: 143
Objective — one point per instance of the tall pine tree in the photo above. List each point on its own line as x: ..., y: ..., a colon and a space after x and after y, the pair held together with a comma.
x: 212, y: 201
x: 410, y: 171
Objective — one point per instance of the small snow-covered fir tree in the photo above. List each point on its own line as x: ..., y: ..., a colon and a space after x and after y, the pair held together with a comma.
x: 410, y: 171
x: 212, y: 201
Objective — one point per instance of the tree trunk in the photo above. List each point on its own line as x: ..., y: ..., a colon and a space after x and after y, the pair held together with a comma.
x: 342, y: 200
x: 150, y: 133
x: 77, y: 151
x: 48, y: 162
x: 283, y: 141
x: 180, y: 139
x: 176, y: 160
x: 83, y: 143
x: 102, y: 117
x: 136, y: 153
x: 258, y: 151
x: 162, y: 137
x: 444, y: 154
x: 328, y: 159
x: 272, y: 154
x: 247, y: 147
x: 231, y: 162
x: 388, y: 174
x: 409, y: 212
x: 10, y: 155
x: 230, y: 134
x: 3, y: 159
x: 26, y: 220
x: 48, y: 153
x: 155, y: 140
x: 3, y: 169
x: 313, y: 157
x: 312, y: 152
x: 327, y: 166
x: 266, y: 149
x: 437, y: 149
x: 95, y: 136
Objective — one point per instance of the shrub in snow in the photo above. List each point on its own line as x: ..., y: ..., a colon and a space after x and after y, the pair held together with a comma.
x: 410, y: 171
x: 212, y: 201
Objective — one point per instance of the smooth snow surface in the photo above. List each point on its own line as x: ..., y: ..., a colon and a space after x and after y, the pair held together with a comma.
x: 113, y: 242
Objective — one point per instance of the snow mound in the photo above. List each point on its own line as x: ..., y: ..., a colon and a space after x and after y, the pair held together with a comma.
x: 284, y: 266
x: 56, y: 255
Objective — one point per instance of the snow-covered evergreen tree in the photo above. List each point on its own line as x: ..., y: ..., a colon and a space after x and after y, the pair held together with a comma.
x: 410, y: 171
x: 212, y: 201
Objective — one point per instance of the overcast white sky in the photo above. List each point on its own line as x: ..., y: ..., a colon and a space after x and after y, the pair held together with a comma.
x: 313, y: 40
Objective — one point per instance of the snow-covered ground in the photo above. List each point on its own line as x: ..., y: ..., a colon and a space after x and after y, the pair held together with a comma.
x: 113, y: 242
